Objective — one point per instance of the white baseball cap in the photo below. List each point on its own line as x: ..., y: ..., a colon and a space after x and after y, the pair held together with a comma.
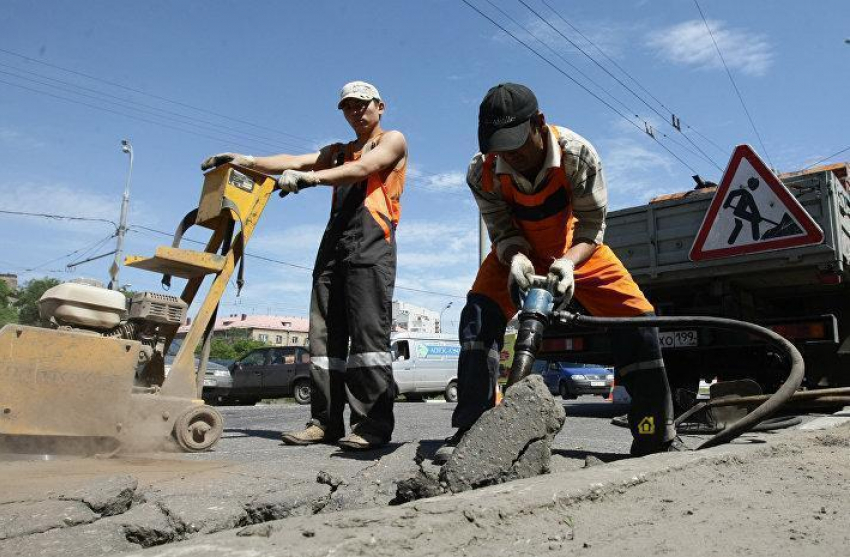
x: 358, y: 90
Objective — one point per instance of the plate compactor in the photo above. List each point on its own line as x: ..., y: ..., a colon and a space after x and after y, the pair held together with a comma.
x: 96, y: 380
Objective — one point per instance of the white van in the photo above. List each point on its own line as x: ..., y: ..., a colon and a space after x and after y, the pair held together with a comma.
x: 425, y: 363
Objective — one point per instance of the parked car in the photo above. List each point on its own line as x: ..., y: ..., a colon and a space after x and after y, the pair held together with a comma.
x: 271, y: 372
x: 217, y: 381
x: 425, y: 363
x: 571, y: 379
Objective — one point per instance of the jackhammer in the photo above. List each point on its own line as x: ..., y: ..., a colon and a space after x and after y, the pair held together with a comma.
x: 537, y: 311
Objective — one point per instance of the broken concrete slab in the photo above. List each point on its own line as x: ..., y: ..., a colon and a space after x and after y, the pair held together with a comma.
x: 86, y: 540
x: 108, y: 497
x: 22, y: 519
x: 146, y: 525
x: 511, y: 441
x: 206, y: 515
x: 296, y: 499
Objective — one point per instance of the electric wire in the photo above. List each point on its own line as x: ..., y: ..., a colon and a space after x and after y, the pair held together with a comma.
x: 700, y: 152
x: 85, y: 249
x: 288, y: 264
x: 424, y: 184
x: 132, y: 117
x: 734, y: 85
x: 158, y: 97
x: 148, y: 109
x: 562, y: 58
x: 664, y: 118
x: 57, y: 217
x: 835, y: 154
x: 579, y: 84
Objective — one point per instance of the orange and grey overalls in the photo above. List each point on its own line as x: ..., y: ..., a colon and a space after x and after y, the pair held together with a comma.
x: 602, y: 285
x: 351, y: 303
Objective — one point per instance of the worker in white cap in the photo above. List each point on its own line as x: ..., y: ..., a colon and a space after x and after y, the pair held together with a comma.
x: 354, y: 274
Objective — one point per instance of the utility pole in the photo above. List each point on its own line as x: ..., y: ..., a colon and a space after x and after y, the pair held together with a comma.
x: 122, y: 224
x: 441, y: 315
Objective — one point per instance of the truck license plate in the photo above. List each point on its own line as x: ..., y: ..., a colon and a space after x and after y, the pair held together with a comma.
x: 209, y: 382
x: 676, y: 339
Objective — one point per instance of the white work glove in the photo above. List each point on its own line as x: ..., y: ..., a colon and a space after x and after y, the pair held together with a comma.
x: 292, y: 181
x: 561, y: 276
x: 521, y: 273
x: 217, y: 160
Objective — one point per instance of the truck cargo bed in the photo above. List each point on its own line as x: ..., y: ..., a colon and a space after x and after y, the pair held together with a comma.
x: 654, y: 240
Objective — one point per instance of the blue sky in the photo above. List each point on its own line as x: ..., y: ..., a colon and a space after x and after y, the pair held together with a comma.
x: 275, y: 68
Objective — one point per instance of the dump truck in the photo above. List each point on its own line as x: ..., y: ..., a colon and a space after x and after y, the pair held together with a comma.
x: 801, y: 292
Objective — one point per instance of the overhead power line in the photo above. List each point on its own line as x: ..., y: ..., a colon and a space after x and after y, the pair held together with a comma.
x: 579, y: 84
x: 146, y: 108
x: 288, y: 264
x: 57, y: 217
x: 648, y: 129
x: 158, y: 97
x: 670, y: 119
x: 835, y: 154
x: 630, y: 76
x: 132, y: 117
x: 734, y: 85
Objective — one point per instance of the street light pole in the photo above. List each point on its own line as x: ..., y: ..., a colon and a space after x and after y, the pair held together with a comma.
x: 441, y: 314
x: 122, y: 224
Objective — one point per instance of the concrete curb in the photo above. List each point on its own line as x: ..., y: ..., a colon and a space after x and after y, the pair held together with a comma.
x: 420, y: 527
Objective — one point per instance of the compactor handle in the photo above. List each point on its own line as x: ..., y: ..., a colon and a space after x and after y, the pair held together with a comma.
x: 283, y: 194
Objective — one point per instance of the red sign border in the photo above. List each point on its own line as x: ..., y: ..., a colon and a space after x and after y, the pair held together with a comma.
x: 814, y: 235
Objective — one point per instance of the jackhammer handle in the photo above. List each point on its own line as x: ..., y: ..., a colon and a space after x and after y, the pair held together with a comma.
x: 537, y: 281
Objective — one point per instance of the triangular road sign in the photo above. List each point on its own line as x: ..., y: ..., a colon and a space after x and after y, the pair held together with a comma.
x: 752, y: 211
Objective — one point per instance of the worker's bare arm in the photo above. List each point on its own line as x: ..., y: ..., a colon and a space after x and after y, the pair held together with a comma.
x: 386, y: 155
x: 276, y: 164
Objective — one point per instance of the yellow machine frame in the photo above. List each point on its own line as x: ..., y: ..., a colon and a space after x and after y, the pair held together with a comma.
x: 69, y: 383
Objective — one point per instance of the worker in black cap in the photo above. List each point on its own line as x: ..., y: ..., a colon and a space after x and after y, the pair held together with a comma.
x: 542, y: 195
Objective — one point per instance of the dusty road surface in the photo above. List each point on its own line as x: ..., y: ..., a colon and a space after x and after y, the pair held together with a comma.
x: 781, y: 493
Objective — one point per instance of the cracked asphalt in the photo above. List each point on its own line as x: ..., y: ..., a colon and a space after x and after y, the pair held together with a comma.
x: 74, y: 506
x: 52, y: 505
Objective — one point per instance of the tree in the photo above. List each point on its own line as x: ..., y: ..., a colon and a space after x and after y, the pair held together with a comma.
x: 221, y: 349
x: 245, y: 345
x: 8, y: 313
x: 27, y: 300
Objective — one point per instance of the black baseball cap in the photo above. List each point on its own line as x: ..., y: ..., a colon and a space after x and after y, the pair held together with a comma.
x: 503, y: 117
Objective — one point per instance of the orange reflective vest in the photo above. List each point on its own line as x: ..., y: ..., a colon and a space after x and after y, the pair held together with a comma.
x: 544, y: 217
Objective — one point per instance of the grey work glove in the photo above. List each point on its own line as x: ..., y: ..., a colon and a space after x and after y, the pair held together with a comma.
x: 521, y: 273
x: 292, y: 181
x: 561, y: 275
x: 222, y: 158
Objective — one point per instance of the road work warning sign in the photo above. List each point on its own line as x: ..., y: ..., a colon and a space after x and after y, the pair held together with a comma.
x: 752, y: 211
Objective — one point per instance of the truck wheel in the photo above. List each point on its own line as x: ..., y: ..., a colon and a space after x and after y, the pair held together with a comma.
x: 564, y: 391
x: 451, y: 392
x: 198, y: 428
x: 301, y: 391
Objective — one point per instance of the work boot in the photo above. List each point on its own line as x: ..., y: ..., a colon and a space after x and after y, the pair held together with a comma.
x: 362, y: 441
x: 445, y: 452
x: 673, y: 446
x: 310, y: 435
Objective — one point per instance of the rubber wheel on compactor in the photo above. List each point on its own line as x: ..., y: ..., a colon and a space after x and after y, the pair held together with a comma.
x: 198, y: 428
